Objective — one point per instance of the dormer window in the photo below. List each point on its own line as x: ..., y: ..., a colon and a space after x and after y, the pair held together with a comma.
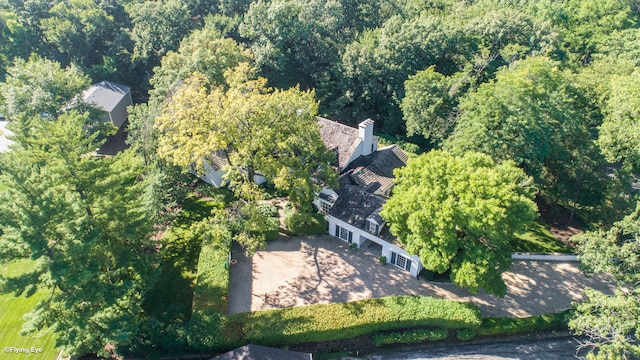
x: 324, y: 207
x: 373, y: 227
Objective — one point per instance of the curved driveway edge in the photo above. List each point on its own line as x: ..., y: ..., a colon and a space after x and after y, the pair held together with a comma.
x: 301, y: 271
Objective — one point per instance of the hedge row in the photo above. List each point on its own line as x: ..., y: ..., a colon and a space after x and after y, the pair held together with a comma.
x: 210, y: 298
x: 512, y: 326
x: 410, y: 336
x: 317, y: 323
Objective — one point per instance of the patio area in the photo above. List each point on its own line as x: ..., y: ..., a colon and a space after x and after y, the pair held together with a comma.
x: 297, y: 271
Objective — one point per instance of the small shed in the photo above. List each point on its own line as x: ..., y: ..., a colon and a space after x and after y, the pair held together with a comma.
x: 112, y: 98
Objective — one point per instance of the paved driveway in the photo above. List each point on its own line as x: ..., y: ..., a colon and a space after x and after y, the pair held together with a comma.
x: 318, y: 270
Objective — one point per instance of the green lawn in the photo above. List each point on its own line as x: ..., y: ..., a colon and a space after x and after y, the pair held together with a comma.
x: 539, y: 240
x: 11, y: 318
x: 3, y: 187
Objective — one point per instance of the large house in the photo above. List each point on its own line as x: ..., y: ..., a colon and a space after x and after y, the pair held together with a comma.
x: 366, y: 182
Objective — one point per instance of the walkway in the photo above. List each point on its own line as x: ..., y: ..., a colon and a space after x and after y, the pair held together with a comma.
x: 318, y: 270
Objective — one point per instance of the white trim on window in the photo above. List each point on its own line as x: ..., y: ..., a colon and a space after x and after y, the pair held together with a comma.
x: 324, y: 207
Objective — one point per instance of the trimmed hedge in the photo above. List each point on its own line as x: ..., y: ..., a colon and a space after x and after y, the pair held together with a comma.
x: 512, y: 326
x: 466, y: 334
x: 317, y: 323
x: 305, y: 223
x: 210, y: 298
x: 410, y: 336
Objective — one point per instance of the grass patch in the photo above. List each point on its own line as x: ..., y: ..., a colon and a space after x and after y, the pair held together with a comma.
x: 3, y: 187
x: 11, y: 319
x: 300, y: 223
x: 538, y: 239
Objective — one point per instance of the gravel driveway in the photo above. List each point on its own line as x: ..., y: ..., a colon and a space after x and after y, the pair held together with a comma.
x: 300, y: 271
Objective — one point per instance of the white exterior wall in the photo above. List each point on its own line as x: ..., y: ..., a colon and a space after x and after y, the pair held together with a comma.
x: 216, y: 177
x: 212, y: 176
x: 360, y: 235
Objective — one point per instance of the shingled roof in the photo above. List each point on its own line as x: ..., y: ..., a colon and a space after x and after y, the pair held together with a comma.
x: 354, y: 206
x: 105, y: 95
x: 339, y: 138
x: 375, y: 172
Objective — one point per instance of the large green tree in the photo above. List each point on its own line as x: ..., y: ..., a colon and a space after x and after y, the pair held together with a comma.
x: 534, y: 115
x: 37, y: 89
x: 82, y: 222
x: 611, y: 322
x: 620, y: 129
x: 255, y: 129
x: 430, y: 104
x: 459, y: 214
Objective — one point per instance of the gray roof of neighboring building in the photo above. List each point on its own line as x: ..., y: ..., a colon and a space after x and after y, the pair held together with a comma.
x: 375, y: 172
x: 339, y: 138
x: 354, y: 206
x: 106, y: 95
x: 258, y: 352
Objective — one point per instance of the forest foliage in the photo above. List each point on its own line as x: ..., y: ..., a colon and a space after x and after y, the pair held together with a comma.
x: 548, y: 86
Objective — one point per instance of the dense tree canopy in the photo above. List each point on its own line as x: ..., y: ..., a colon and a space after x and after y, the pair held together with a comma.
x: 611, y: 322
x: 79, y: 219
x: 459, y: 214
x: 551, y: 85
x: 533, y: 115
x: 254, y: 128
x: 620, y: 130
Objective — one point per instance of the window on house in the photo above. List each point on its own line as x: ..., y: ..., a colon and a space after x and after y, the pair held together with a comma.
x: 324, y: 207
x: 401, y: 261
x: 344, y: 234
x: 373, y: 227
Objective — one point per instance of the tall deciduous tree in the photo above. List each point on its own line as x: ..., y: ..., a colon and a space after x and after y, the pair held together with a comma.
x: 429, y: 105
x: 459, y: 214
x: 611, y: 322
x: 620, y: 129
x: 204, y: 51
x: 533, y: 115
x: 255, y: 128
x: 158, y: 27
x: 80, y: 220
x: 36, y: 88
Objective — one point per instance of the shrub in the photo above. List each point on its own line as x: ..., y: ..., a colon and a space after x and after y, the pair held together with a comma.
x: 303, y: 223
x: 410, y: 336
x: 210, y: 296
x: 328, y: 322
x: 465, y: 334
x: 273, y: 229
x: 511, y: 326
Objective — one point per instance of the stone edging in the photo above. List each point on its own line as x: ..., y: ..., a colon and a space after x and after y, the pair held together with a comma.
x: 543, y: 257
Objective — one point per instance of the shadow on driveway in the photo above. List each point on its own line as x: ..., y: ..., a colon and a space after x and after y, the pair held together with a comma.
x: 298, y: 271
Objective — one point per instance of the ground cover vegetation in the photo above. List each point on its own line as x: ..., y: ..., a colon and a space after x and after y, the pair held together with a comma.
x: 548, y: 86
